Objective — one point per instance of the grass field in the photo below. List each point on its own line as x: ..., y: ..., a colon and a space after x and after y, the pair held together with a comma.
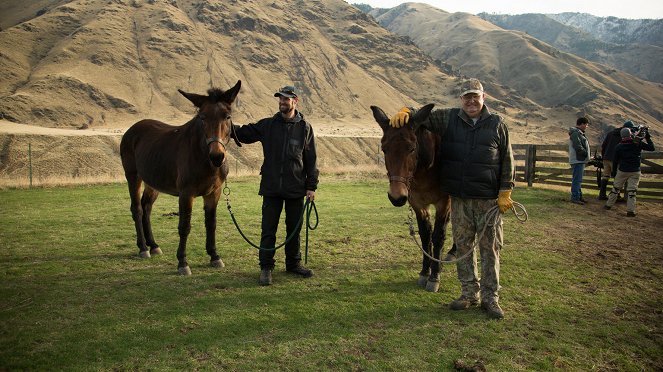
x: 577, y: 296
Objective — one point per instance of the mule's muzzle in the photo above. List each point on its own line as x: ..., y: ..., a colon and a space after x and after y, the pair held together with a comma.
x: 397, y: 202
x: 217, y: 158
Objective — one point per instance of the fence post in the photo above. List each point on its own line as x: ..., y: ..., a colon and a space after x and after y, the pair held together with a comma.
x: 530, y: 164
x: 30, y: 162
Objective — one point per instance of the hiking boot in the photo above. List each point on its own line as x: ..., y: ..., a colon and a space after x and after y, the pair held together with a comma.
x: 463, y: 303
x: 583, y: 200
x: 606, y: 207
x: 265, y: 277
x: 301, y: 271
x: 630, y: 214
x: 493, y: 309
x: 577, y: 201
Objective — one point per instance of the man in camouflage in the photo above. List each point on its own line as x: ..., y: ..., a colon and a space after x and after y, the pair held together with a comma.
x: 478, y: 172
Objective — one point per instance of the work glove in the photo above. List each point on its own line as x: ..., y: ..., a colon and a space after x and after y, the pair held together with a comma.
x: 504, y: 201
x: 400, y: 118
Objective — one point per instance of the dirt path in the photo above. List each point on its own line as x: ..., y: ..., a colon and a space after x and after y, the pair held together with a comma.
x: 322, y: 129
x: 8, y: 127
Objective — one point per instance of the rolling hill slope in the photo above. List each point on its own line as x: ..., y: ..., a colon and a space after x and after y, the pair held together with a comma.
x: 518, y: 67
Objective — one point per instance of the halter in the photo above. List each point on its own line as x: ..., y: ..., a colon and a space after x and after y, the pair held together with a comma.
x: 211, y: 140
x: 401, y: 179
x: 407, y: 180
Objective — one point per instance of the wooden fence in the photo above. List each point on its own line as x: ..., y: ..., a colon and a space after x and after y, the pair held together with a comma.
x: 548, y: 164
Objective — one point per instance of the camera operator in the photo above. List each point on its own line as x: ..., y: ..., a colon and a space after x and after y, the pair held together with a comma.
x: 627, y: 165
x: 608, y: 146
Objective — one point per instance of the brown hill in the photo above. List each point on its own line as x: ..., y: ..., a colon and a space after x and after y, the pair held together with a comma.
x: 101, y: 63
x: 98, y: 63
x: 633, y: 55
x: 518, y: 67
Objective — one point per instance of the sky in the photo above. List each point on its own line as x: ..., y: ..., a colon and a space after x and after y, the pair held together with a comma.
x: 632, y: 9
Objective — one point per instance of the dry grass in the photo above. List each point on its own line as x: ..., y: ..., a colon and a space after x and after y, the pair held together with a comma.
x: 347, y: 172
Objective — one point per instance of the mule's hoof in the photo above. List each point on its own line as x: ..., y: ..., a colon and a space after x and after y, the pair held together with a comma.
x: 144, y: 254
x: 217, y: 263
x: 422, y: 281
x: 156, y: 250
x: 184, y: 270
x: 432, y: 286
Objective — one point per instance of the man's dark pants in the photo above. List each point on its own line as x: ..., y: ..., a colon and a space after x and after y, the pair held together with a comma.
x: 271, y: 213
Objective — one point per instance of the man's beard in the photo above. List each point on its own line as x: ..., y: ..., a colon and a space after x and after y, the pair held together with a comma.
x: 285, y: 109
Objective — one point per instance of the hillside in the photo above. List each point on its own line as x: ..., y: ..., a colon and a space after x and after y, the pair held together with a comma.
x: 62, y: 156
x: 99, y: 63
x: 615, y: 30
x: 633, y: 55
x: 104, y: 65
x: 518, y: 67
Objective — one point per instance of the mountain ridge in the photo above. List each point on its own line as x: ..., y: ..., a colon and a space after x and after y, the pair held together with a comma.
x: 513, y: 64
x: 121, y: 59
x: 94, y: 63
x: 638, y: 59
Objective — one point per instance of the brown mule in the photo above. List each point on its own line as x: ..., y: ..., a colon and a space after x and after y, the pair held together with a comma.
x: 410, y: 157
x: 184, y: 161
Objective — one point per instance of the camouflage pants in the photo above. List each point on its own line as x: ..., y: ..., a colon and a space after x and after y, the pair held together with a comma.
x: 468, y: 218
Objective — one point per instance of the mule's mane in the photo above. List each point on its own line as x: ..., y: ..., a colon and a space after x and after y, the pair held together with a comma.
x: 215, y: 94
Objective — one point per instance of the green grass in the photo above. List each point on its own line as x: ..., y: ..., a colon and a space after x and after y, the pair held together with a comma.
x: 77, y: 297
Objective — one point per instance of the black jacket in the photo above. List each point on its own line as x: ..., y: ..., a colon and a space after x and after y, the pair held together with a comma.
x: 609, y: 143
x: 289, y: 166
x: 628, y: 154
x: 476, y: 159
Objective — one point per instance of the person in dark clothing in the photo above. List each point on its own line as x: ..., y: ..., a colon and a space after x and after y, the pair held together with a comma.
x: 608, y: 154
x: 478, y: 172
x: 288, y: 174
x: 628, y: 154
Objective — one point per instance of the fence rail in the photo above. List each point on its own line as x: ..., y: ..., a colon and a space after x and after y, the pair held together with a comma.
x: 548, y: 164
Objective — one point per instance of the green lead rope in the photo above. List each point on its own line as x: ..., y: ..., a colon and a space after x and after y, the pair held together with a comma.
x: 309, y: 207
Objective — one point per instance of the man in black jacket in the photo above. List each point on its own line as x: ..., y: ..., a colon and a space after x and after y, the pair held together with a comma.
x: 478, y: 172
x: 608, y: 154
x: 289, y: 173
x: 628, y: 154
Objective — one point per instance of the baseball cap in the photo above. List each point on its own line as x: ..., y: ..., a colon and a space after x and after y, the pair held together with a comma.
x: 471, y: 86
x: 628, y: 124
x: 286, y: 91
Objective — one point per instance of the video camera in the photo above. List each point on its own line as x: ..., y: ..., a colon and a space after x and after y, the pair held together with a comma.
x: 640, y: 131
x: 596, y: 161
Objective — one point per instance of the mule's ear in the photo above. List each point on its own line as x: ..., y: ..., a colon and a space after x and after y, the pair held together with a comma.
x: 231, y: 93
x: 380, y: 117
x: 196, y: 99
x: 422, y: 113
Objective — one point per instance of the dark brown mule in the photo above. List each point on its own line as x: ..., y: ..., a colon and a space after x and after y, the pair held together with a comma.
x: 410, y: 158
x: 185, y: 161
